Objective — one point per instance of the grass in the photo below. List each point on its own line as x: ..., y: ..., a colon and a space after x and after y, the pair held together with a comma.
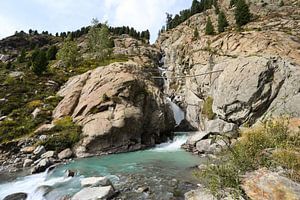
x: 64, y: 135
x: 207, y: 108
x: 270, y: 145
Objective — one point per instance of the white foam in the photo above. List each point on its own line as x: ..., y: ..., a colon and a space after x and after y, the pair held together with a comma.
x: 174, y: 145
x: 177, y: 111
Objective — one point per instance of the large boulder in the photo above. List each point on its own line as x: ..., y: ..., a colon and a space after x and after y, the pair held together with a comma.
x: 199, y: 194
x: 41, y: 166
x: 92, y: 193
x: 267, y: 185
x: 119, y: 108
x: 65, y: 154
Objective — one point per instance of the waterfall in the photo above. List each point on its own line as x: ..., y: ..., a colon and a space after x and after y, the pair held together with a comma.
x: 172, y: 145
x: 178, y: 113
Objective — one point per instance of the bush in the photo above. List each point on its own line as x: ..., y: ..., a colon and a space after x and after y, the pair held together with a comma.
x: 64, y: 135
x: 268, y: 146
x: 51, y: 53
x: 69, y: 53
x: 207, y: 108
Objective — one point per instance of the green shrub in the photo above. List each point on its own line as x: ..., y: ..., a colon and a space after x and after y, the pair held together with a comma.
x: 269, y: 146
x: 64, y: 135
x: 207, y: 108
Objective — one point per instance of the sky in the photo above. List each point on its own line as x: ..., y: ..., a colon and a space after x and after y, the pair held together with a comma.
x: 69, y: 15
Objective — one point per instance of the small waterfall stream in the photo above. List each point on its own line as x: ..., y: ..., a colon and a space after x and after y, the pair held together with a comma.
x: 156, y: 168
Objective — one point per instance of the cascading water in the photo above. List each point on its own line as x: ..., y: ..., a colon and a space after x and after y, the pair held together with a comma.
x: 177, y: 111
x: 155, y: 167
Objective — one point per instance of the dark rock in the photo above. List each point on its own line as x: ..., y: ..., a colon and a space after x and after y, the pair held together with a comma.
x: 16, y: 196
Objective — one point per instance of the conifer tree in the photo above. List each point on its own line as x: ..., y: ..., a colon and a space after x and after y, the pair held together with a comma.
x: 242, y: 13
x: 222, y: 22
x: 39, y: 62
x: 196, y: 34
x: 69, y: 53
x: 209, y: 29
x: 22, y: 56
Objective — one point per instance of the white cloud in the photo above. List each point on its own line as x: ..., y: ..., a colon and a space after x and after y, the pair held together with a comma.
x: 64, y: 15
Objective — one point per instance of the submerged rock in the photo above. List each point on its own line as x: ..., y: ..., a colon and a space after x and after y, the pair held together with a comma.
x: 16, y: 196
x: 95, y: 182
x: 92, y: 193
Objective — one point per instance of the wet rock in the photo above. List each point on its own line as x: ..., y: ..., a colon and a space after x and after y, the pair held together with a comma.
x: 91, y: 193
x: 267, y: 185
x: 39, y: 150
x: 16, y: 196
x: 27, y: 163
x: 70, y: 173
x: 95, y: 182
x: 2, y: 118
x: 48, y: 154
x: 41, y: 166
x: 65, y: 154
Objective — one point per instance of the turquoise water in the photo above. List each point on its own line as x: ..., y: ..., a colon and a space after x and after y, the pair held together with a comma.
x: 163, y: 169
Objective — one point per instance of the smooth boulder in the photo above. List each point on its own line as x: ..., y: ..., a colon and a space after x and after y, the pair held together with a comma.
x: 93, y: 193
x: 65, y: 154
x: 95, y: 182
x: 16, y: 196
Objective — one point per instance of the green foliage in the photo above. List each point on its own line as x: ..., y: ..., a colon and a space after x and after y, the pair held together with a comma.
x: 242, y: 13
x: 51, y: 53
x: 22, y: 56
x: 39, y: 62
x: 269, y: 146
x: 69, y: 53
x: 99, y: 42
x: 64, y: 135
x: 207, y: 108
x: 196, y: 34
x: 209, y: 29
x: 281, y: 3
x: 216, y: 5
x: 222, y: 22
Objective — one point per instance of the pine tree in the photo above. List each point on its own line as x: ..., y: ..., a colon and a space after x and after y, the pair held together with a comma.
x: 39, y: 62
x: 69, y: 53
x: 51, y: 53
x: 209, y: 29
x: 242, y: 13
x: 222, y: 22
x: 195, y: 7
x: 216, y: 5
x: 196, y: 34
x: 99, y: 41
x: 22, y: 56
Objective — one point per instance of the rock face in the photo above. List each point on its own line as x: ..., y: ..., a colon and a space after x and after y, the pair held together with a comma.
x: 256, y: 72
x: 263, y: 184
x: 118, y: 107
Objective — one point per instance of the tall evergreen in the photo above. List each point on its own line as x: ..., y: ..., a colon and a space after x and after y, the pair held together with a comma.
x: 222, y: 22
x: 242, y: 13
x: 39, y: 62
x: 209, y: 29
x: 196, y: 34
x: 194, y: 7
x: 22, y: 56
